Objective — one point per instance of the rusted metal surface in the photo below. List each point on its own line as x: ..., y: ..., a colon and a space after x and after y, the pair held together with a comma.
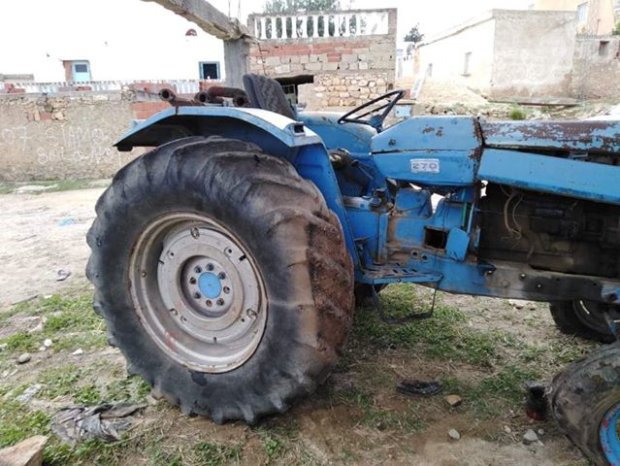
x: 586, y: 136
x: 168, y: 95
x: 216, y: 95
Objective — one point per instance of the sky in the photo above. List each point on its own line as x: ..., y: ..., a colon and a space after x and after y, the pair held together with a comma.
x: 61, y: 29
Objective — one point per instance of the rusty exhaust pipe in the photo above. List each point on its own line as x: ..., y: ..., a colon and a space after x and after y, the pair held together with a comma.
x: 168, y: 95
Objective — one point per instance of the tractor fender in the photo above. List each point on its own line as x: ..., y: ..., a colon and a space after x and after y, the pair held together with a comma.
x: 275, y: 134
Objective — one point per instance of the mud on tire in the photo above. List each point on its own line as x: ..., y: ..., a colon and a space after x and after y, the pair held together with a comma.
x: 583, y: 394
x: 295, y: 240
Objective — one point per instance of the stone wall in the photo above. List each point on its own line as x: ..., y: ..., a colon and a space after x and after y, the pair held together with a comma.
x: 66, y: 137
x: 596, y: 69
x: 338, y: 64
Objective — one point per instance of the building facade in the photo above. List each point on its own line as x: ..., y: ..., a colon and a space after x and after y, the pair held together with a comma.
x: 594, y: 17
x: 505, y: 53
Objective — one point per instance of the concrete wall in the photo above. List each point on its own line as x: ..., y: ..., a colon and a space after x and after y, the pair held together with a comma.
x: 533, y: 53
x: 599, y: 18
x: 66, y: 137
x: 446, y: 54
x: 596, y: 67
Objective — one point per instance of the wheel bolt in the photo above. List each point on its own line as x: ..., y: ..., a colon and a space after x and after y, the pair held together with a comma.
x: 192, y: 281
x: 221, y: 276
x: 209, y: 303
x: 220, y: 302
x: 226, y: 290
x: 210, y: 267
x: 197, y: 295
x: 197, y: 269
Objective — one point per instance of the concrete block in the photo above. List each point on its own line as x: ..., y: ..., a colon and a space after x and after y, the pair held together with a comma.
x: 312, y: 66
x: 272, y: 61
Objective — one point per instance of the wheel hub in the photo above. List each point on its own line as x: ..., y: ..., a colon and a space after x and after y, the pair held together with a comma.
x: 198, y: 292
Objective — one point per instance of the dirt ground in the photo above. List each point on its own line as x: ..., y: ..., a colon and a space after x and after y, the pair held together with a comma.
x: 357, y: 418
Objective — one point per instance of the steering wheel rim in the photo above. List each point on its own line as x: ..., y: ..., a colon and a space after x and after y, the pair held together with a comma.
x: 388, y: 108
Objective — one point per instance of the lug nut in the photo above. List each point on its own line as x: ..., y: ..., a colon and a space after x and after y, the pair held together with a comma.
x: 210, y: 267
x: 197, y: 269
x: 220, y: 302
x: 209, y: 303
x: 197, y: 295
x: 192, y: 281
x: 226, y: 290
x: 221, y: 276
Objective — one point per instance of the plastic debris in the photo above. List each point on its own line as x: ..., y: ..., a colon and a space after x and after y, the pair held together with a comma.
x: 62, y: 275
x: 105, y: 422
x: 419, y: 387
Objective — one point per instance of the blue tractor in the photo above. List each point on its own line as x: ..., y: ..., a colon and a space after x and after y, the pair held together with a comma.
x: 227, y: 260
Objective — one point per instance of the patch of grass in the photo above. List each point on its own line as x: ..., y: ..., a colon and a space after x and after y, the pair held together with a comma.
x: 69, y: 321
x: 18, y: 423
x: 215, y: 454
x: 59, y: 381
x: 500, y: 390
x: 20, y: 342
x: 517, y: 113
x: 445, y: 336
x: 404, y: 420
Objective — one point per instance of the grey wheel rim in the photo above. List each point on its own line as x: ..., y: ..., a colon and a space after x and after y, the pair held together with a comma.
x: 198, y: 292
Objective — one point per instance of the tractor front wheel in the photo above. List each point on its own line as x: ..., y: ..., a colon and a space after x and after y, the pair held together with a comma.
x: 583, y: 319
x: 585, y: 400
x: 222, y: 276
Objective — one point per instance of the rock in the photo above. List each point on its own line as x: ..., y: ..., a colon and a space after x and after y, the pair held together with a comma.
x: 454, y: 434
x: 540, y: 432
x: 26, y: 453
x: 453, y: 400
x: 3, y: 346
x: 24, y: 358
x: 517, y: 303
x: 530, y: 437
x: 42, y: 348
x: 47, y: 342
x: 507, y: 429
x: 78, y: 352
x: 29, y: 393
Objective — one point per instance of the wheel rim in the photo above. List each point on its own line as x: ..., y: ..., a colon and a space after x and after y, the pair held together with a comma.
x: 610, y: 440
x: 198, y: 292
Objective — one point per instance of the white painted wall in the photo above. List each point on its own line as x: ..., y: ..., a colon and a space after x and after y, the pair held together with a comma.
x: 447, y: 54
x: 122, y: 39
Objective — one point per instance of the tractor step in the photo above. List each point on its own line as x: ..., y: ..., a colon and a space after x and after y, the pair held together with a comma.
x: 386, y: 274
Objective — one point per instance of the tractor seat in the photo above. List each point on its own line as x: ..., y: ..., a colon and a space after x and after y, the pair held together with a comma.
x: 267, y: 93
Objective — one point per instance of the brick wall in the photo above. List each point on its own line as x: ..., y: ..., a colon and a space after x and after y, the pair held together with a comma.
x: 338, y: 63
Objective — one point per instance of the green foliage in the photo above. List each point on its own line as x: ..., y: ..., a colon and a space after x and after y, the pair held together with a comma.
x: 300, y: 6
x: 70, y: 323
x: 216, y: 454
x: 414, y: 35
x: 517, y: 113
x: 616, y: 31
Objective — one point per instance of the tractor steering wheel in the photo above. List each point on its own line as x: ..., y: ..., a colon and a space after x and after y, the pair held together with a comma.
x: 375, y: 120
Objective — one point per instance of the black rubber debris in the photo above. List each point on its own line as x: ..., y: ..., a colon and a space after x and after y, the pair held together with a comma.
x: 419, y: 387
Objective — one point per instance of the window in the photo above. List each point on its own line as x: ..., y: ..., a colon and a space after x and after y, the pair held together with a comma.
x: 603, y: 48
x: 582, y: 13
x: 209, y: 69
x: 466, y: 64
x: 79, y: 71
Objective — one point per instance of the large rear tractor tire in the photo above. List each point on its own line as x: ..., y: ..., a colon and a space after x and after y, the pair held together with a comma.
x: 222, y: 276
x: 582, y: 319
x: 585, y: 400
